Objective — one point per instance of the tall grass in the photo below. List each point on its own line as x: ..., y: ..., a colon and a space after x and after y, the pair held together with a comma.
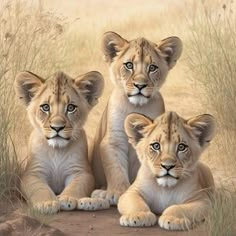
x: 222, y: 217
x: 212, y: 52
x: 212, y: 59
x: 31, y: 39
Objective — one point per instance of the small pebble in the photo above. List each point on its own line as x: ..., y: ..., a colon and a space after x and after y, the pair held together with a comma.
x: 91, y: 227
x: 94, y: 216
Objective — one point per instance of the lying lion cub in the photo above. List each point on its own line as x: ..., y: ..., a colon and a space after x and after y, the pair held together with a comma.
x: 58, y: 158
x: 138, y: 69
x: 171, y: 180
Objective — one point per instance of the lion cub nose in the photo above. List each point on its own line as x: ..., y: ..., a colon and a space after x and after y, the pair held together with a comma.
x: 140, y: 86
x: 57, y: 129
x: 167, y: 167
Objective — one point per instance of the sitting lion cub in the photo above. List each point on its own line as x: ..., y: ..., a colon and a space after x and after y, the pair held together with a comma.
x: 171, y: 180
x: 58, y: 158
x: 138, y: 69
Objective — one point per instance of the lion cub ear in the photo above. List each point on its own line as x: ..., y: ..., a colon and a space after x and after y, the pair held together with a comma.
x: 26, y: 86
x: 171, y: 49
x: 203, y: 127
x: 91, y: 86
x: 111, y: 44
x: 134, y: 127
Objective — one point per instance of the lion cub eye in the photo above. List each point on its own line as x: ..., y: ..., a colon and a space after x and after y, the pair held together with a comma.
x: 71, y: 108
x: 45, y: 108
x: 156, y: 146
x: 182, y: 147
x: 153, y: 68
x: 129, y: 65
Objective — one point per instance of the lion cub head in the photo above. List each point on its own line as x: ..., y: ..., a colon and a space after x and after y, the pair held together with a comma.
x: 139, y: 67
x: 169, y: 145
x: 58, y: 107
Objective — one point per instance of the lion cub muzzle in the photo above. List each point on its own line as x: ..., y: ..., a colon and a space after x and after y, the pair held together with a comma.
x: 57, y: 125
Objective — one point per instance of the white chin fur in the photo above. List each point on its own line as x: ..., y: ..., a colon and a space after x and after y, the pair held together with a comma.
x: 166, y: 181
x: 57, y: 142
x: 138, y: 100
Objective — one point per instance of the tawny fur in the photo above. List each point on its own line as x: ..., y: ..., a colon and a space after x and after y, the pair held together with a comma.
x: 58, y: 174
x: 181, y: 197
x: 114, y: 161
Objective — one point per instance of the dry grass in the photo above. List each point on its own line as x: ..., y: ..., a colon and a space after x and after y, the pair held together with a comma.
x: 37, y: 215
x: 30, y: 39
x: 221, y: 220
x: 212, y: 50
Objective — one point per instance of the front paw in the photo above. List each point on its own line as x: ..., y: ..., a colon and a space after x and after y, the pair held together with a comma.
x: 175, y: 223
x: 93, y: 204
x: 47, y: 207
x: 139, y: 219
x: 67, y: 203
x: 111, y: 196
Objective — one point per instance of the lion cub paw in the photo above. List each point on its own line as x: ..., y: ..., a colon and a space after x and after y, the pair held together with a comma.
x: 47, y: 207
x: 139, y: 219
x: 111, y: 196
x: 93, y: 204
x: 67, y: 203
x: 174, y: 223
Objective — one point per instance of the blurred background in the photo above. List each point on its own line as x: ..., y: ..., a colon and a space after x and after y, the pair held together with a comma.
x: 47, y: 36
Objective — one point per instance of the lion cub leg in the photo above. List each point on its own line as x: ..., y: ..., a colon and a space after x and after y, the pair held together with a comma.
x: 115, y: 164
x: 40, y: 195
x: 134, y: 210
x: 183, y: 216
x: 77, y: 187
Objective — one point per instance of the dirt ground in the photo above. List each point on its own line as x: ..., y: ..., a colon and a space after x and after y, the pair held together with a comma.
x: 80, y: 223
x: 106, y: 223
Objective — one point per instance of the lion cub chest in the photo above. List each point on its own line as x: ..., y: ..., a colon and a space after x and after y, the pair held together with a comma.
x: 159, y: 198
x: 56, y: 167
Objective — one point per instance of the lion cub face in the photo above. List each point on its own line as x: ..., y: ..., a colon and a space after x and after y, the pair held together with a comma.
x: 58, y: 107
x: 139, y: 67
x: 169, y: 145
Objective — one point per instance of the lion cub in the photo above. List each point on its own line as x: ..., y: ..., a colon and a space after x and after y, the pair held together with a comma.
x: 58, y: 156
x: 171, y: 180
x: 138, y: 69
